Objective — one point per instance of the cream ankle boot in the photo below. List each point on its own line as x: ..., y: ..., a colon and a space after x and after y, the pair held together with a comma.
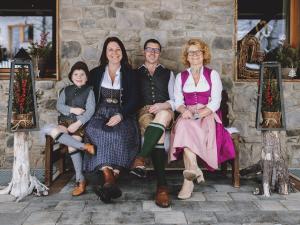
x: 192, y: 171
x: 186, y: 189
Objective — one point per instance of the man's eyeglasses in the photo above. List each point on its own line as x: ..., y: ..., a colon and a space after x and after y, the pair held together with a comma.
x: 194, y: 53
x: 152, y: 50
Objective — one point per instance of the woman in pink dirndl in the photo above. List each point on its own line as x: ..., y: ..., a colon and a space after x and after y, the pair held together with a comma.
x: 198, y: 132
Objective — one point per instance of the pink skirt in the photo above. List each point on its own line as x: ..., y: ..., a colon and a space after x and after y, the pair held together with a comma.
x: 197, y: 135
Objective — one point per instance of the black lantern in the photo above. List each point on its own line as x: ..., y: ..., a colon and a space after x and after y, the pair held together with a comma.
x: 270, y: 114
x: 22, y: 105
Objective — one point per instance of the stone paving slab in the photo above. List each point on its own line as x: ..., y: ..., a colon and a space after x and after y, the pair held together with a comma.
x: 242, y: 206
x: 174, y: 217
x: 13, y: 218
x: 291, y: 217
x: 41, y: 206
x: 291, y: 205
x: 75, y: 218
x: 114, y: 217
x: 16, y: 207
x: 179, y: 205
x: 243, y: 196
x: 43, y: 218
x: 213, y: 206
x: 217, y: 196
x: 70, y: 206
x: 247, y: 217
x: 273, y: 196
x: 293, y: 196
x: 6, y: 198
x: 270, y: 205
x: 212, y: 203
x: 200, y: 217
x: 121, y: 206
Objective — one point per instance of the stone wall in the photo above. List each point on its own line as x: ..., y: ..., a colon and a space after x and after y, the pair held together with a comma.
x: 84, y: 25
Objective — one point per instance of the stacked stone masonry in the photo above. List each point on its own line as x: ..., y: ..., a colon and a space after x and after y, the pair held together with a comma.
x: 84, y: 25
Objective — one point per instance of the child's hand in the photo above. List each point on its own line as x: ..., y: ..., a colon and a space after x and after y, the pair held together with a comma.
x: 77, y: 111
x: 74, y: 126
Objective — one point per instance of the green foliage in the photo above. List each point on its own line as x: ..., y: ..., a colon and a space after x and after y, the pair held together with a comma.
x: 42, y: 49
x: 286, y: 55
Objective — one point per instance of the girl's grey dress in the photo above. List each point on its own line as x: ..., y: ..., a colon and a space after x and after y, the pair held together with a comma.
x: 116, y: 146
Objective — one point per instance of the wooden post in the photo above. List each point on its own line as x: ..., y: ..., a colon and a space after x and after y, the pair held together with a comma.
x: 22, y: 183
x: 275, y: 171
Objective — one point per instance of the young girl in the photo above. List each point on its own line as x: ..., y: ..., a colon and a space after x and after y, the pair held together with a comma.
x: 76, y: 105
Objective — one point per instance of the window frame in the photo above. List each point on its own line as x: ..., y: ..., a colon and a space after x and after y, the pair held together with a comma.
x: 293, y: 37
x: 5, y: 72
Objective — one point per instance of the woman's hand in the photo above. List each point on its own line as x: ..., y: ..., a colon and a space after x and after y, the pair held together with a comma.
x: 74, y: 126
x: 204, y: 112
x: 77, y: 111
x: 187, y: 114
x: 114, y: 120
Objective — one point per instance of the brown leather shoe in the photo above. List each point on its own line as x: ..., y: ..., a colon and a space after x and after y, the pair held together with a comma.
x: 162, y: 198
x: 89, y: 148
x: 109, y: 177
x: 110, y: 187
x: 79, y: 189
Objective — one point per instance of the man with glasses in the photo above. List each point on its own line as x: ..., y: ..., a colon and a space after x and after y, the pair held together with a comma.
x: 156, y: 114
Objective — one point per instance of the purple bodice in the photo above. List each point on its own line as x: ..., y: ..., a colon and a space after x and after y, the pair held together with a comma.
x: 193, y: 98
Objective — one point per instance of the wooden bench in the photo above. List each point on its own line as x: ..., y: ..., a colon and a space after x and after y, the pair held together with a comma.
x: 235, y: 163
x: 55, y: 154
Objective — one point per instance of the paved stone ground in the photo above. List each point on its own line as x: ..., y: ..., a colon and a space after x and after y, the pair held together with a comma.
x: 213, y: 202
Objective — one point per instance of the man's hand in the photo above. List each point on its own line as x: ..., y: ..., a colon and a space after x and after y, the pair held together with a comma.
x: 187, y: 114
x: 74, y: 126
x: 77, y: 111
x: 114, y: 120
x: 204, y: 112
x: 155, y: 108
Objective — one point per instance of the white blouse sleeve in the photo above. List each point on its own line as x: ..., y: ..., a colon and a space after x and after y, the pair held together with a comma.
x: 178, y: 94
x: 171, y: 90
x: 216, y: 91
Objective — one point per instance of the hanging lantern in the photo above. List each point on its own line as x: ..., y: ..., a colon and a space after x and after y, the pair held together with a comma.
x: 22, y: 106
x: 270, y: 114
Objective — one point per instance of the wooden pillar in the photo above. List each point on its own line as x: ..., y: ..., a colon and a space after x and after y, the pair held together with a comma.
x: 295, y: 23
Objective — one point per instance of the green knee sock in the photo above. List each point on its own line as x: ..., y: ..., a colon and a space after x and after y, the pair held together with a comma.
x: 152, y: 135
x: 158, y: 156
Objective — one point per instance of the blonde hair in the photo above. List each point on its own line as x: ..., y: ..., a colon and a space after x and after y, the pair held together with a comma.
x: 201, y: 45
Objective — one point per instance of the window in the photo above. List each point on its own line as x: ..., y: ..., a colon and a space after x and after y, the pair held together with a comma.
x: 23, y: 23
x: 263, y: 27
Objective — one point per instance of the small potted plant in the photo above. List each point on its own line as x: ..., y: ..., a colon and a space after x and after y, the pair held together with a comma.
x: 288, y: 57
x: 23, y: 106
x: 39, y: 53
x: 271, y: 105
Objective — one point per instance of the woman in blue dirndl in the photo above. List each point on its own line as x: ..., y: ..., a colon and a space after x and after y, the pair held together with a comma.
x: 113, y: 128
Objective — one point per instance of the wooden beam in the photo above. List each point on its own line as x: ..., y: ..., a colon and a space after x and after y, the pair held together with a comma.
x: 295, y: 23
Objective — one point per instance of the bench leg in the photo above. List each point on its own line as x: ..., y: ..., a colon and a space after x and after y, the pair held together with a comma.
x: 236, y: 163
x: 48, y: 160
x: 224, y: 168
